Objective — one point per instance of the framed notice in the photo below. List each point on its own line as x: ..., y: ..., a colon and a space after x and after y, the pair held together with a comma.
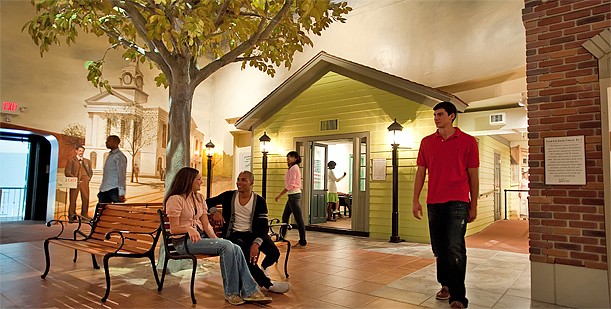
x: 379, y: 169
x: 66, y: 182
x: 565, y: 160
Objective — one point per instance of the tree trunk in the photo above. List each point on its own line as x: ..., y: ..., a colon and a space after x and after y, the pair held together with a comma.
x: 179, y: 125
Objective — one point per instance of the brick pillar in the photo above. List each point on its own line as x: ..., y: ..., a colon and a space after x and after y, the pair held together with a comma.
x: 567, y: 225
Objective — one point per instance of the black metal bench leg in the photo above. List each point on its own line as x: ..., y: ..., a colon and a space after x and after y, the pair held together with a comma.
x: 95, y: 262
x: 152, y: 258
x: 107, y: 273
x: 165, y: 268
x: 286, y: 259
x: 193, y: 280
x: 47, y: 259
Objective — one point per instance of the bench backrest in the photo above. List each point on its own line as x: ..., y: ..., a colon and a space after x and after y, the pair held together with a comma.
x: 166, y: 234
x: 139, y: 219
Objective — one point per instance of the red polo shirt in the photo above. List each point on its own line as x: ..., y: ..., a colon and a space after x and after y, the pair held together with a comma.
x: 447, y: 162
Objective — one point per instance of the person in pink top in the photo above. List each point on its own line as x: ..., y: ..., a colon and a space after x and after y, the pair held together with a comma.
x: 292, y: 186
x: 186, y: 210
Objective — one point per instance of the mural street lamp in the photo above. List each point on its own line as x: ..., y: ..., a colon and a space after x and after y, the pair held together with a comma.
x: 209, y: 154
x: 393, y: 129
x: 264, y: 143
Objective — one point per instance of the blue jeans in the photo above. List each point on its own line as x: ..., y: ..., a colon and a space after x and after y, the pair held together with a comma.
x: 447, y: 227
x: 234, y: 270
x: 293, y: 205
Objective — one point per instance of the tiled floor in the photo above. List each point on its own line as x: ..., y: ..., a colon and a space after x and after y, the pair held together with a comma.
x: 335, y: 271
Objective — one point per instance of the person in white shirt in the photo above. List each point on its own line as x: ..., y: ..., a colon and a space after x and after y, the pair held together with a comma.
x: 112, y: 189
x: 332, y: 197
x: 245, y: 223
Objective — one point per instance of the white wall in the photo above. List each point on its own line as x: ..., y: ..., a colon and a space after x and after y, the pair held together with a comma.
x: 433, y: 42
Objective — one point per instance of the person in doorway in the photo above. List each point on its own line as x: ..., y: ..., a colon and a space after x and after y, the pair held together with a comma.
x: 292, y: 187
x: 452, y: 160
x: 79, y: 167
x: 136, y: 171
x: 186, y: 210
x: 245, y: 223
x: 112, y: 189
x: 523, y: 196
x: 332, y: 198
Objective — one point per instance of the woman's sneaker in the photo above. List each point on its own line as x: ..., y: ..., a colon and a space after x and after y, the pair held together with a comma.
x: 258, y: 297
x: 279, y: 287
x: 235, y: 300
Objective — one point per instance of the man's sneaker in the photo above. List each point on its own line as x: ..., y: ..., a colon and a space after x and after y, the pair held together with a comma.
x: 299, y: 246
x: 443, y: 294
x: 235, y: 300
x: 457, y: 305
x: 258, y: 297
x: 279, y: 287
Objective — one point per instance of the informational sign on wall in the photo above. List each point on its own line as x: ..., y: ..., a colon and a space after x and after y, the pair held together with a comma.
x: 565, y: 160
x: 379, y: 169
x: 66, y: 182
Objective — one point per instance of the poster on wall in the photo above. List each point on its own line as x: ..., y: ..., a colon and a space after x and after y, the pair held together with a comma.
x: 379, y: 169
x: 565, y: 160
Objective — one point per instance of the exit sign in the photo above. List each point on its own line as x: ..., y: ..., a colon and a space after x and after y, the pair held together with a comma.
x: 10, y: 107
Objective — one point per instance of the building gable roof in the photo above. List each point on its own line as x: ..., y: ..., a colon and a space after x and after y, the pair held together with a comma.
x: 323, y: 63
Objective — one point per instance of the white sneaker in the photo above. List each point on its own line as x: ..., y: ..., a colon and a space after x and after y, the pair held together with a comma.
x: 279, y: 287
x: 266, y: 272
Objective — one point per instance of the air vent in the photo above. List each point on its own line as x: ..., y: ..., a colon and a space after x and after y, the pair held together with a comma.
x: 498, y: 118
x: 329, y: 125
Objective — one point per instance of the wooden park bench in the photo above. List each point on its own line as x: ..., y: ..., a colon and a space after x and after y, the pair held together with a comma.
x: 172, y: 254
x: 122, y: 230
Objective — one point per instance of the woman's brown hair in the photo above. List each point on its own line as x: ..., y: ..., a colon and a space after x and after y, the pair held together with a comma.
x: 182, y: 183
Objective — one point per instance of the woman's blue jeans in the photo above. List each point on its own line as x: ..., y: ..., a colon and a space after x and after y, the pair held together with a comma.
x: 447, y: 227
x: 234, y: 270
x: 293, y: 205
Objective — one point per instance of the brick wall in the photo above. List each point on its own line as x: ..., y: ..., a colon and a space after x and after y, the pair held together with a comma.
x: 567, y: 222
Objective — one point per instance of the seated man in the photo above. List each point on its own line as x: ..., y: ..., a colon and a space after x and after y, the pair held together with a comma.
x: 245, y: 223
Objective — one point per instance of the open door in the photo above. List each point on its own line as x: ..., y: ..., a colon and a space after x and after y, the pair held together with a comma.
x: 318, y: 202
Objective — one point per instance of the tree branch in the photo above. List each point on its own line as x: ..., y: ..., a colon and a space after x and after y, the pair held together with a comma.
x: 222, y: 12
x: 154, y: 45
x: 263, y: 31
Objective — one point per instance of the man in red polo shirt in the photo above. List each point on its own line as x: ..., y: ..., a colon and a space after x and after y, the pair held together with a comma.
x: 452, y: 159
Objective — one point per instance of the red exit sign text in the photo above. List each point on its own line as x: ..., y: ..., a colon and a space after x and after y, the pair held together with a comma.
x: 10, y: 107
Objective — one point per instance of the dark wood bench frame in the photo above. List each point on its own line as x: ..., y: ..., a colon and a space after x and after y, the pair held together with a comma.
x: 122, y: 230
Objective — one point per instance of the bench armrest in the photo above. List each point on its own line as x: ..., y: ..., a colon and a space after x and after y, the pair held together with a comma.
x: 122, y: 234
x: 49, y: 223
x: 275, y: 222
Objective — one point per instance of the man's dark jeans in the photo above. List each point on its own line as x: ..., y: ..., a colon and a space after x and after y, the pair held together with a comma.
x: 272, y: 254
x: 447, y: 226
x: 110, y: 196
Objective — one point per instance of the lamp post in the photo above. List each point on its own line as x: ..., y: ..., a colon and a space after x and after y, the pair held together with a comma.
x: 209, y: 147
x: 393, y: 129
x: 264, y: 142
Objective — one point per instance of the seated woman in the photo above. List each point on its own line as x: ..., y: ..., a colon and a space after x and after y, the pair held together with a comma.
x: 186, y: 210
